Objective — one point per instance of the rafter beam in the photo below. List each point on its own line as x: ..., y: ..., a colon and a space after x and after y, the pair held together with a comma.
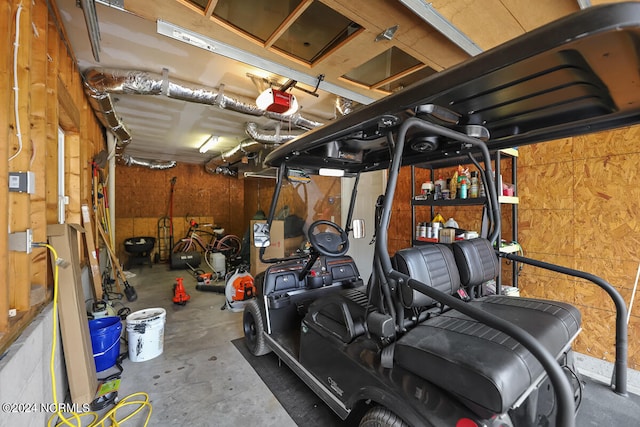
x: 432, y: 17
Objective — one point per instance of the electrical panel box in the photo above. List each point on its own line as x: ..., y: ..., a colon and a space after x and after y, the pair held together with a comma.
x: 21, y: 241
x: 22, y: 182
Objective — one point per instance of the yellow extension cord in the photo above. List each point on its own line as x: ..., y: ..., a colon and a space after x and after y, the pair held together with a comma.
x: 142, y: 402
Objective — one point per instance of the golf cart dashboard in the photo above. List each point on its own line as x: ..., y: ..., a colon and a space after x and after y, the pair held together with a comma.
x: 283, y: 285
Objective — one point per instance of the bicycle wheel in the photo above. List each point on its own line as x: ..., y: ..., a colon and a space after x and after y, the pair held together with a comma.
x: 183, y: 245
x: 230, y: 245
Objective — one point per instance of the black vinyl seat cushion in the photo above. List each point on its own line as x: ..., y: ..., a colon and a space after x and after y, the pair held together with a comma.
x: 473, y: 360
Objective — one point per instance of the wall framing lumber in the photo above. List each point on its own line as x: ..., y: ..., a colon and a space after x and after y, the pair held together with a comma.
x: 38, y: 119
x: 5, y: 95
x: 19, y: 203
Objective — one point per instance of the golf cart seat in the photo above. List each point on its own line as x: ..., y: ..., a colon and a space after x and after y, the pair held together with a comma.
x: 462, y: 355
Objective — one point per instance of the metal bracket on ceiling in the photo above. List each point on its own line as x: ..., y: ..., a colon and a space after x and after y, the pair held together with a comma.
x: 431, y: 16
x: 387, y: 34
x: 294, y: 84
x: 93, y: 28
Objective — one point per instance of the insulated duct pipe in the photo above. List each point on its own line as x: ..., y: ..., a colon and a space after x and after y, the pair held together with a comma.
x: 220, y: 164
x: 256, y: 141
x: 276, y: 138
x: 344, y: 105
x: 100, y: 83
x: 111, y: 182
x: 151, y: 164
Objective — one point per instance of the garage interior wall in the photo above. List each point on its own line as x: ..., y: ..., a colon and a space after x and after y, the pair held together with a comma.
x: 49, y: 96
x: 142, y: 198
x: 578, y: 196
x: 579, y: 204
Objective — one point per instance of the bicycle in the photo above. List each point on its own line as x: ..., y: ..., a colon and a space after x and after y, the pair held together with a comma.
x: 227, y: 244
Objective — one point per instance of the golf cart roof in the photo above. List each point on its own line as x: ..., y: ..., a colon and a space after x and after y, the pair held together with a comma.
x: 577, y: 75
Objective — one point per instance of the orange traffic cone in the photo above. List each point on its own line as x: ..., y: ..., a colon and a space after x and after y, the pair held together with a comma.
x: 180, y: 296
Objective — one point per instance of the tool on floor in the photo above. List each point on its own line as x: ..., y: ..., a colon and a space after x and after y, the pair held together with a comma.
x: 180, y: 295
x: 206, y: 284
x: 129, y: 291
x: 165, y: 229
x: 239, y: 290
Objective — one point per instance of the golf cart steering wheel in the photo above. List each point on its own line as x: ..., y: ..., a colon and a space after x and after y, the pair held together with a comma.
x: 326, y: 242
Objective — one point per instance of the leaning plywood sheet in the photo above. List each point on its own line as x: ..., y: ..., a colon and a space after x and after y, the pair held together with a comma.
x: 74, y: 324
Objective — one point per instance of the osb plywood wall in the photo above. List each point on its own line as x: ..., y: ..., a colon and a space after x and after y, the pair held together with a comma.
x: 142, y: 198
x: 579, y: 204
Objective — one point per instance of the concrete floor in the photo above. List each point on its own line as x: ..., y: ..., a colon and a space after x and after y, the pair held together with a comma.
x: 201, y: 379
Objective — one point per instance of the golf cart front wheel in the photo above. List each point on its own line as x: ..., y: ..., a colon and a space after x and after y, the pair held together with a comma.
x: 381, y: 417
x: 254, y: 329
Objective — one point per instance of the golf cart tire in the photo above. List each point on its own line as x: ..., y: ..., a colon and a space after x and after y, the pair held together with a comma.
x: 254, y: 329
x: 380, y: 416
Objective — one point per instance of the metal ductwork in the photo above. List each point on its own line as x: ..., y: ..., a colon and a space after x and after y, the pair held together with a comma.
x: 344, y: 105
x: 266, y: 138
x: 151, y: 164
x: 256, y: 142
x: 220, y: 164
x: 100, y: 83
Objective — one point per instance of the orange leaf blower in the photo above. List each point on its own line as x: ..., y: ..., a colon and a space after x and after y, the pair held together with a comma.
x: 180, y: 295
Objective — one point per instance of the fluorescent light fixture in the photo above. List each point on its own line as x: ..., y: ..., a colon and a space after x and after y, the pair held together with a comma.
x: 277, y: 101
x: 223, y: 49
x: 431, y: 16
x: 331, y: 172
x: 208, y: 144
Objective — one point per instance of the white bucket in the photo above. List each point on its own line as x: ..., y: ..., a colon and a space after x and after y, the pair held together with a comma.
x: 145, y: 332
x: 218, y: 263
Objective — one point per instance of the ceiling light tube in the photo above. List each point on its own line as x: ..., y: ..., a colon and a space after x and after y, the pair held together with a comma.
x: 208, y: 144
x: 331, y: 172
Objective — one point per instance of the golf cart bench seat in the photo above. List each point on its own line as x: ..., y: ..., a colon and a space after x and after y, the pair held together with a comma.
x: 462, y: 355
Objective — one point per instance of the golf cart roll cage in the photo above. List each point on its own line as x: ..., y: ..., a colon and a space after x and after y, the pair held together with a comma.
x: 575, y: 76
x: 563, y: 390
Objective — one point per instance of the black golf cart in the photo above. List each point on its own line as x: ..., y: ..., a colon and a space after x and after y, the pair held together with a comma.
x: 419, y: 343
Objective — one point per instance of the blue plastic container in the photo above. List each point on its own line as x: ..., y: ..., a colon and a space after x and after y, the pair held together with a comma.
x: 105, y: 341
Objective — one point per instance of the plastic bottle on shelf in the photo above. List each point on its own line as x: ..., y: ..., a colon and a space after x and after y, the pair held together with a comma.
x: 442, y: 182
x: 462, y: 182
x: 474, y: 190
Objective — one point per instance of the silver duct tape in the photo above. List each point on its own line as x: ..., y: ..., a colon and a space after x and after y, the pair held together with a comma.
x: 233, y: 155
x: 295, y: 120
x: 151, y: 164
x: 252, y: 130
x: 106, y: 80
x: 344, y: 105
x: 240, y: 107
x: 221, y: 170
